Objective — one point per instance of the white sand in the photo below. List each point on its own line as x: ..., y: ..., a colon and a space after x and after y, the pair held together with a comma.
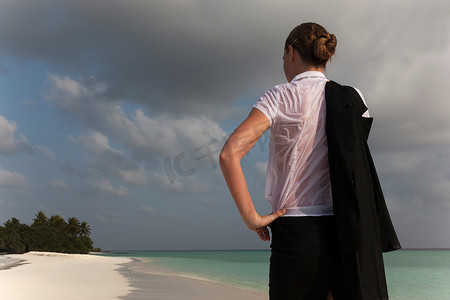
x: 43, y: 275
x: 55, y: 276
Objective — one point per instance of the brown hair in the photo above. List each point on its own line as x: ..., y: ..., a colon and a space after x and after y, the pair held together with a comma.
x: 314, y: 44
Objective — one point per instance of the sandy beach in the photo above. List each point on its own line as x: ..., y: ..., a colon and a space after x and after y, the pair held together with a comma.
x: 43, y: 275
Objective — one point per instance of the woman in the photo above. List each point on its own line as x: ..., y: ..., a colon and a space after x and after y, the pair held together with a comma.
x: 297, y: 183
x: 305, y: 261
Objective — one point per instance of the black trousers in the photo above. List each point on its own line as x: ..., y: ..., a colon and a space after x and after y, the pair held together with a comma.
x: 302, y: 259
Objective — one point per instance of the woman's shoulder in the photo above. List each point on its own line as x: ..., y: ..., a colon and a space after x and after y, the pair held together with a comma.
x: 283, y: 89
x: 277, y: 92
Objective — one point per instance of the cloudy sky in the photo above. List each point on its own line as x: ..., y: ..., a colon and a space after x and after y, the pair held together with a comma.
x: 114, y: 111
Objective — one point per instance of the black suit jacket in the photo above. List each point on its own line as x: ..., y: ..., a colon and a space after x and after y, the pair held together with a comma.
x: 363, y: 225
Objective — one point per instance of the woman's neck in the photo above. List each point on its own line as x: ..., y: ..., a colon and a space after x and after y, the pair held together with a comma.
x: 304, y: 68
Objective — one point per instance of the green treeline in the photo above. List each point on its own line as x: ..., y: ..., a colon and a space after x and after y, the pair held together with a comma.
x: 52, y: 234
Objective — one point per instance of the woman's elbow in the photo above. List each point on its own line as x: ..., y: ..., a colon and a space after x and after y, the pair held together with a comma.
x: 226, y: 156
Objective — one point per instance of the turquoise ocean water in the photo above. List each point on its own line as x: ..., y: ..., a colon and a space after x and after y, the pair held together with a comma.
x: 411, y: 274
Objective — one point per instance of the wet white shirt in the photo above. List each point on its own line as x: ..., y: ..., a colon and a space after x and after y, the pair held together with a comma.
x: 297, y: 176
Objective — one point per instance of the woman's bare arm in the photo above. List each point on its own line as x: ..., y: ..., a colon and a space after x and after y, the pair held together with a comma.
x: 237, y: 146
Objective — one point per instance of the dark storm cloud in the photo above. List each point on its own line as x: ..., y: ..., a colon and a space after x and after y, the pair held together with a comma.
x: 199, y: 56
x: 178, y: 56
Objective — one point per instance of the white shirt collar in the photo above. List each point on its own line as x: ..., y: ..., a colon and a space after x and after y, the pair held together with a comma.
x: 308, y: 74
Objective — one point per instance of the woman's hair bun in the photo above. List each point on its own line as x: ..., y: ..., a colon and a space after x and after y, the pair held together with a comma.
x: 324, y: 46
x: 313, y: 42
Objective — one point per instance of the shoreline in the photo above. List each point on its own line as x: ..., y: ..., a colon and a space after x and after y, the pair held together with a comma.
x: 244, y: 269
x: 170, y: 286
x: 135, y: 266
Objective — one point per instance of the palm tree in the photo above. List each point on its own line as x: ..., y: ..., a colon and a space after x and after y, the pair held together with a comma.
x: 58, y: 222
x: 14, y: 233
x: 85, y: 229
x: 12, y: 223
x: 41, y: 219
x: 73, y: 226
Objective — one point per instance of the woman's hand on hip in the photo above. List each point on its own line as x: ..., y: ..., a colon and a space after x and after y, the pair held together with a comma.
x: 260, y: 223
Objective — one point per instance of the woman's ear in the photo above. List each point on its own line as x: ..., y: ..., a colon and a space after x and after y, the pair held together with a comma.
x: 290, y: 53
